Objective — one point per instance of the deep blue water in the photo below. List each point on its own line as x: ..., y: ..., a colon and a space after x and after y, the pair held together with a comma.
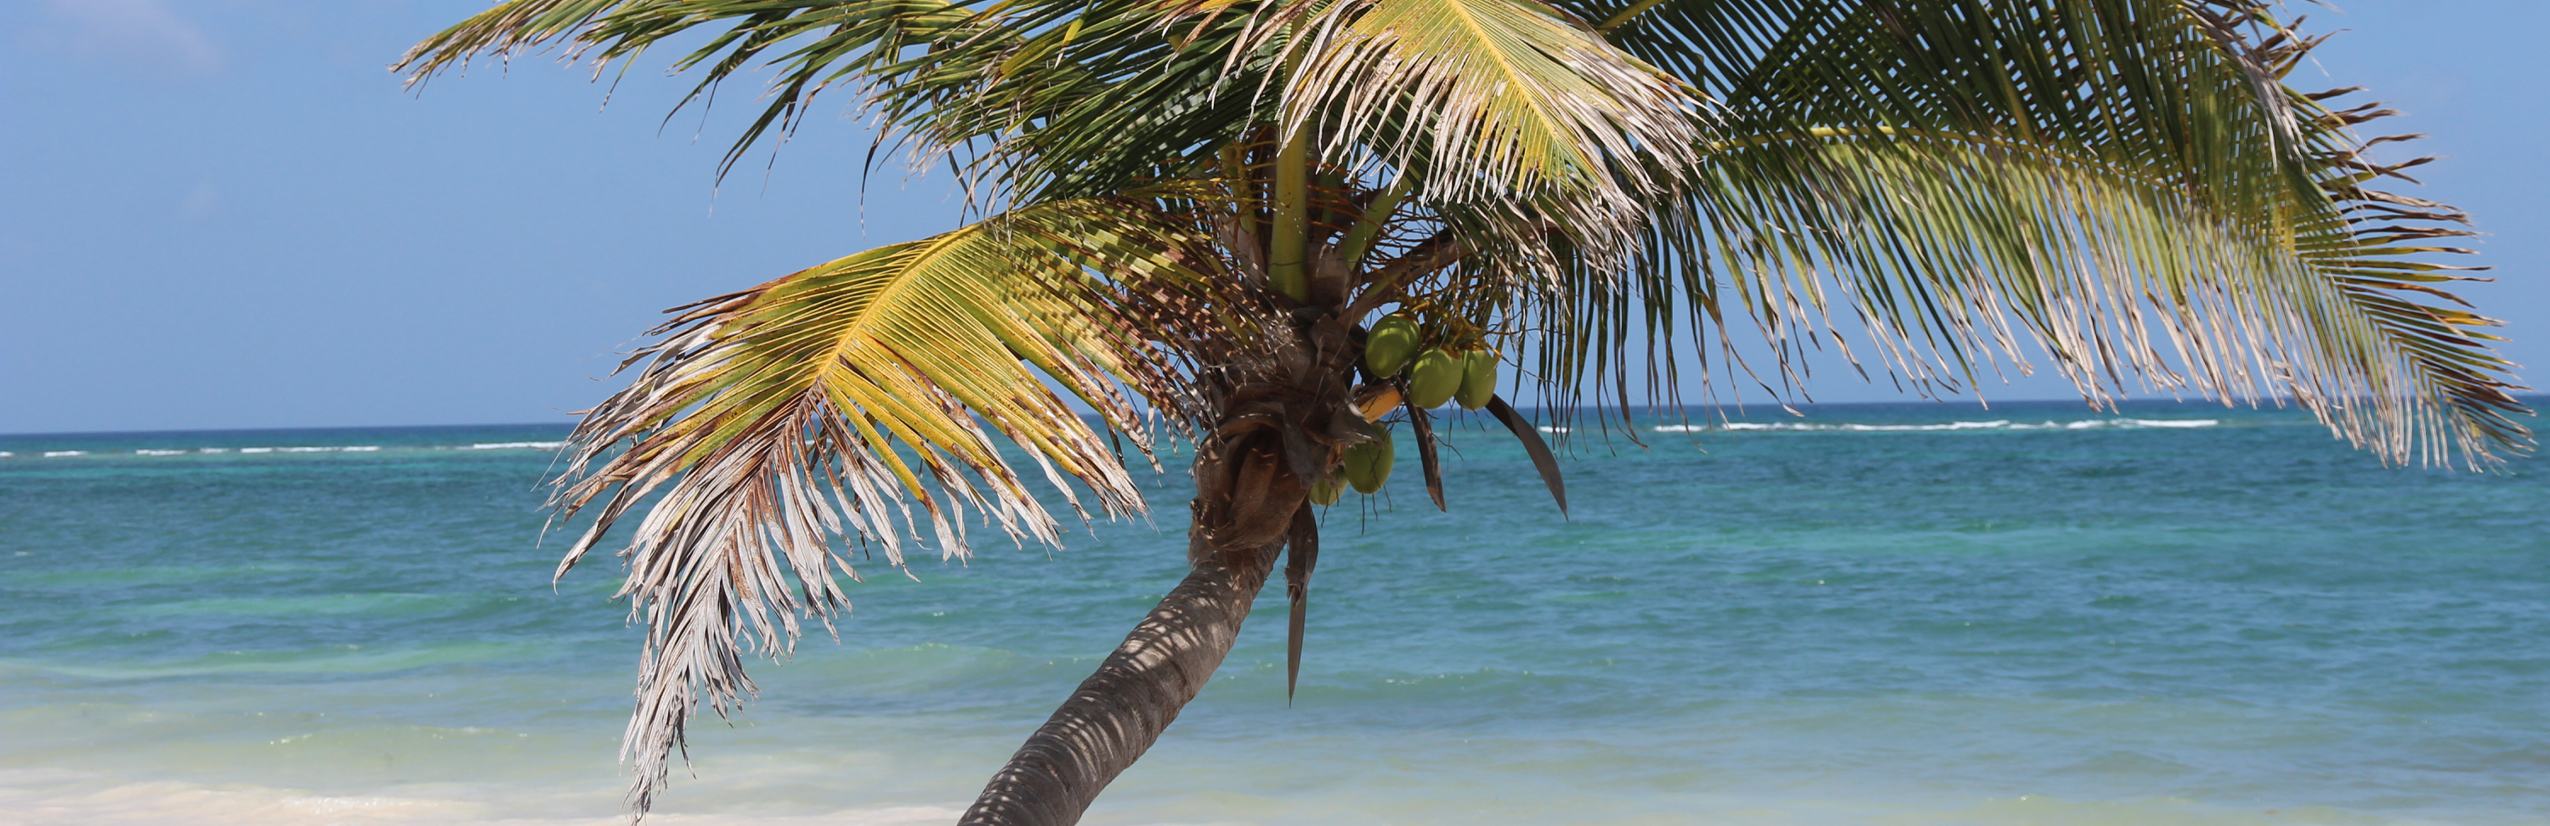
x: 2243, y: 622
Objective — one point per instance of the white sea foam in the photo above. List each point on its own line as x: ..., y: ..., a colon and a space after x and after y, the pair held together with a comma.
x: 298, y: 449
x: 1996, y: 424
x: 1922, y: 428
x: 2171, y: 422
x: 50, y: 797
x: 2091, y: 424
x: 1551, y: 429
x: 516, y: 446
x: 5, y: 454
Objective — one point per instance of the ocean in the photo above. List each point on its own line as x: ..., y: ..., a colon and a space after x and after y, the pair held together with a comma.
x: 1869, y: 614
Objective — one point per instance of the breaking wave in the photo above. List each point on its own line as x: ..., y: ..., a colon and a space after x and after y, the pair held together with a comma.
x: 516, y: 446
x: 1996, y: 424
x: 212, y: 451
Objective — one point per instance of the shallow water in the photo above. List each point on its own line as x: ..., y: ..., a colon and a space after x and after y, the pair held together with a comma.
x: 1869, y: 615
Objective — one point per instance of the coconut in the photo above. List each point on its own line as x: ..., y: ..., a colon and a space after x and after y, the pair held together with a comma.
x: 1436, y: 376
x: 1392, y: 341
x: 1478, y: 379
x: 1325, y: 491
x: 1368, y: 464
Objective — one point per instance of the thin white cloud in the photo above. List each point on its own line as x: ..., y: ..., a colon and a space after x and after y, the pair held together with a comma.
x: 140, y: 34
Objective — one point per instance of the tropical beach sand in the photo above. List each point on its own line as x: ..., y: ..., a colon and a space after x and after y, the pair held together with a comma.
x: 1903, y: 614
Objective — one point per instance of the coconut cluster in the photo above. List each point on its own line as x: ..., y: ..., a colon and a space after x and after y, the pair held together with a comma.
x: 1433, y: 371
x: 1446, y: 372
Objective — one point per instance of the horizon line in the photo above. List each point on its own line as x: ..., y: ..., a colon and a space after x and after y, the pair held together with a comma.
x: 2263, y: 403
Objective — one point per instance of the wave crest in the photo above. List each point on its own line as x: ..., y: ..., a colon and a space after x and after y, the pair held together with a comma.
x: 1996, y: 424
x: 516, y: 446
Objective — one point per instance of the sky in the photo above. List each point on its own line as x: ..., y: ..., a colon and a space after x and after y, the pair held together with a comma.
x: 220, y: 214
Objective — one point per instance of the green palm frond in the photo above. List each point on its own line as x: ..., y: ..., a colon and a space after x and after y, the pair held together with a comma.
x: 1029, y: 100
x: 1093, y: 97
x: 818, y: 44
x: 1494, y: 106
x: 1948, y: 258
x: 1195, y: 189
x: 829, y: 401
x: 2105, y: 177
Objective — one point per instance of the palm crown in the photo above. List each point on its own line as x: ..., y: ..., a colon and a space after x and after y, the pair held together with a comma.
x: 1191, y: 210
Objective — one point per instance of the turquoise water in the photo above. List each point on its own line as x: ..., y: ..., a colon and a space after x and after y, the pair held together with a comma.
x: 2135, y: 618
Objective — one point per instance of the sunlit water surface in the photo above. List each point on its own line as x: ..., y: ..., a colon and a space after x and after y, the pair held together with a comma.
x: 1916, y: 614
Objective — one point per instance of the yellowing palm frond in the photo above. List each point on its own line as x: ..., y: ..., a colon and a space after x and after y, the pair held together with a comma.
x: 1502, y: 104
x: 2127, y: 182
x: 1947, y: 254
x: 826, y: 402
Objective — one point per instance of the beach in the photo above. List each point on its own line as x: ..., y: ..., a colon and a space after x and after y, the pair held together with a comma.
x: 1871, y: 614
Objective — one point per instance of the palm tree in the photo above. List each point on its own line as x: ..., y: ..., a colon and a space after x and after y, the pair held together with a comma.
x: 1193, y: 212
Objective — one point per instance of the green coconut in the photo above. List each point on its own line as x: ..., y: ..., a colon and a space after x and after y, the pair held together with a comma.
x: 1325, y: 491
x: 1436, y: 376
x: 1389, y: 345
x: 1368, y: 464
x: 1478, y: 379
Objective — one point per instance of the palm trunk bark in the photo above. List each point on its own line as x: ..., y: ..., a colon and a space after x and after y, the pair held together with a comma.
x: 1120, y: 710
x: 1116, y: 714
x: 1246, y: 497
x: 1283, y: 417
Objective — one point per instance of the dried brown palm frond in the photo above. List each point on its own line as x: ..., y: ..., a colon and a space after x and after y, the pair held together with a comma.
x: 1941, y: 191
x: 1937, y: 189
x: 831, y: 401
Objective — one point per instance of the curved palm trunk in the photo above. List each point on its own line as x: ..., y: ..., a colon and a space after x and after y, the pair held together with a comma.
x: 1281, y: 422
x: 1115, y: 715
x: 1246, y: 500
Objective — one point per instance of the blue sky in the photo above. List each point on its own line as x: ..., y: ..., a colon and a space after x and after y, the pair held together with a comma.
x: 227, y: 214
